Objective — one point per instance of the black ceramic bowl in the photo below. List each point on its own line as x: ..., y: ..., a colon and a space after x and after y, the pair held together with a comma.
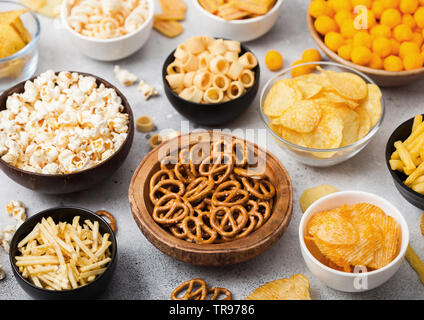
x: 211, y: 114
x: 401, y: 134
x: 64, y: 214
x: 68, y: 183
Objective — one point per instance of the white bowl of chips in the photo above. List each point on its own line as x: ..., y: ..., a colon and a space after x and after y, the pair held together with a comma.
x: 251, y: 27
x: 111, y: 37
x: 322, y: 119
x: 359, y: 279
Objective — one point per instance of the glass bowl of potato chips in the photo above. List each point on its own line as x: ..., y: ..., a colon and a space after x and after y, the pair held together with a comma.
x: 19, y: 35
x: 322, y: 113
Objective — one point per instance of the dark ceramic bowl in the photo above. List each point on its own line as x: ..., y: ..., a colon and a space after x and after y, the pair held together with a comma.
x: 64, y: 214
x: 401, y: 134
x: 68, y: 183
x: 211, y: 114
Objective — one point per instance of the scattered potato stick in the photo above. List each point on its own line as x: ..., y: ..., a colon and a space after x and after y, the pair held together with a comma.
x: 422, y: 224
x: 416, y: 263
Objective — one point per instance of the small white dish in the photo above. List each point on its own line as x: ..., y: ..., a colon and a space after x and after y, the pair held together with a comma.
x: 109, y: 49
x: 352, y: 282
x: 240, y: 30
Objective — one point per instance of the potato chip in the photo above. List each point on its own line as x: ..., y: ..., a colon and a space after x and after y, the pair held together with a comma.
x: 303, y: 117
x: 416, y: 263
x: 364, y: 122
x: 311, y: 195
x: 377, y: 236
x: 49, y: 8
x: 336, y: 98
x: 169, y: 28
x: 332, y: 227
x: 259, y: 7
x: 350, y: 125
x: 294, y: 288
x: 329, y: 132
x: 282, y: 95
x: 348, y: 85
x: 372, y: 104
x: 309, y: 89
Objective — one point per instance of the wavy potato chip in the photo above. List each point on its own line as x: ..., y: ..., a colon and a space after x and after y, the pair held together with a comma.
x: 294, y: 288
x: 309, y: 89
x: 332, y: 227
x: 336, y: 98
x: 310, y: 195
x: 329, y: 132
x: 351, y: 124
x: 364, y: 122
x: 377, y: 236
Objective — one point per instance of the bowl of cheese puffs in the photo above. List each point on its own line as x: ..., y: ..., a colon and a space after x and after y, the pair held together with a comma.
x: 211, y: 81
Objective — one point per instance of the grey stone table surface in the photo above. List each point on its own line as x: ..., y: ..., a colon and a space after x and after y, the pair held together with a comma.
x: 143, y: 272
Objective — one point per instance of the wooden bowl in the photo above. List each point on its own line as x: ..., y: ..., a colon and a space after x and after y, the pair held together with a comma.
x: 68, y: 183
x: 381, y: 77
x: 210, y: 254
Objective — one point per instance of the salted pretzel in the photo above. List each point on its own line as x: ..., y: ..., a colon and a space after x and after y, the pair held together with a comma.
x: 193, y: 290
x: 197, y: 289
x: 110, y: 217
x: 210, y: 192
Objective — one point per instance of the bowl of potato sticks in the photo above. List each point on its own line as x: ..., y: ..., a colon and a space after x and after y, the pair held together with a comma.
x: 242, y: 20
x: 211, y: 199
x: 404, y: 158
x: 353, y: 241
x: 324, y: 116
x: 211, y: 81
x: 65, y: 253
x: 63, y: 132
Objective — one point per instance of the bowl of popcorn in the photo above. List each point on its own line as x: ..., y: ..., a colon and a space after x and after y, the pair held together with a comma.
x: 242, y: 20
x: 19, y: 35
x: 211, y: 81
x: 383, y: 40
x: 108, y: 30
x: 63, y: 132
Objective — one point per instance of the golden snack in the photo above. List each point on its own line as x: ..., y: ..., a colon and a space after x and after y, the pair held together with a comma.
x: 383, y: 35
x: 50, y: 8
x: 237, y: 9
x: 309, y: 196
x: 211, y: 71
x: 197, y: 289
x: 13, y: 34
x: 211, y: 193
x: 325, y: 110
x: 63, y: 256
x: 422, y: 224
x: 416, y: 263
x: 155, y: 140
x: 294, y: 288
x: 144, y: 124
x: 361, y: 235
x: 167, y: 21
x: 409, y: 156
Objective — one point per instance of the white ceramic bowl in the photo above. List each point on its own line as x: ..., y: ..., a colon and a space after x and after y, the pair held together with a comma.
x: 109, y: 49
x: 352, y: 282
x: 240, y: 30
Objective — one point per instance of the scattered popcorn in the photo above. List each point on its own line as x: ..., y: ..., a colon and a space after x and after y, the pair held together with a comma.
x: 61, y: 124
x: 124, y: 76
x: 6, y: 236
x: 16, y: 209
x: 2, y: 273
x: 147, y: 90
